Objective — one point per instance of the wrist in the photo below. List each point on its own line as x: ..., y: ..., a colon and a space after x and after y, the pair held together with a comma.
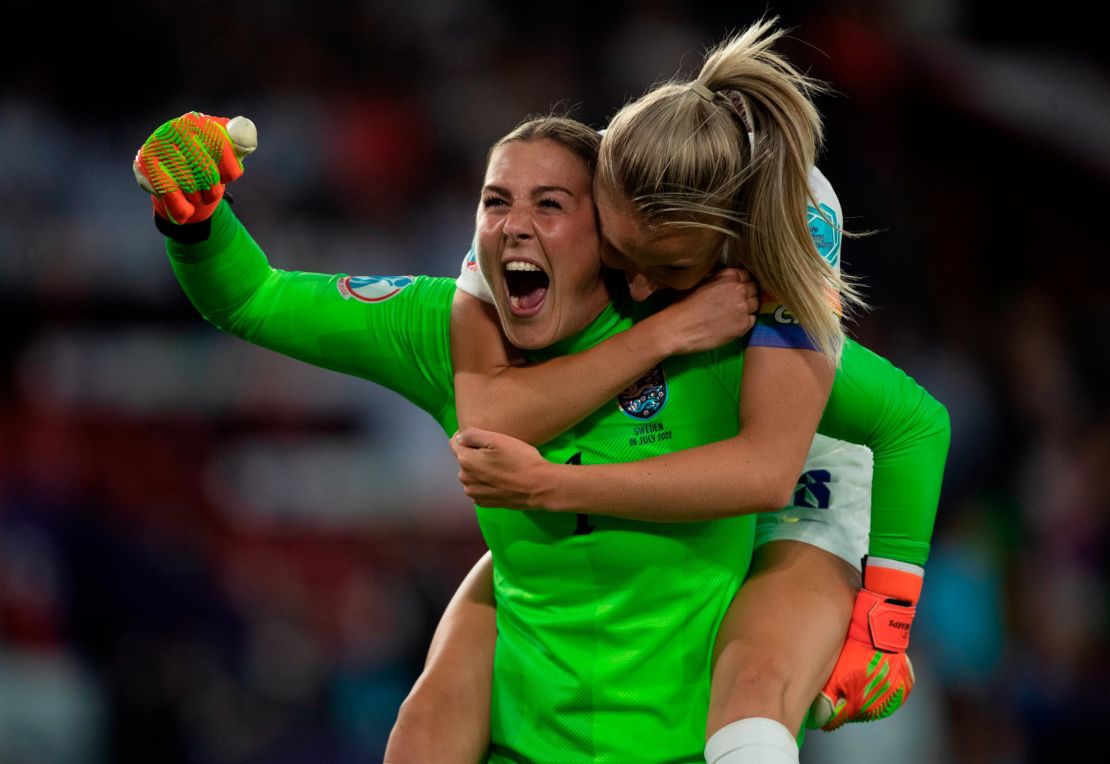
x: 894, y: 579
x: 655, y: 335
x: 552, y: 492
x: 183, y: 233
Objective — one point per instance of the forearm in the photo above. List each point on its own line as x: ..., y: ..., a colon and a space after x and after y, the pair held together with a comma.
x: 221, y: 273
x: 730, y: 477
x: 754, y: 471
x: 906, y: 489
x: 446, y: 716
x: 878, y: 405
x: 535, y: 402
x: 400, y: 342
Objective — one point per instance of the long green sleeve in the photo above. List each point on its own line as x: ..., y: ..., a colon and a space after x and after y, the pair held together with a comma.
x: 390, y: 331
x: 876, y: 404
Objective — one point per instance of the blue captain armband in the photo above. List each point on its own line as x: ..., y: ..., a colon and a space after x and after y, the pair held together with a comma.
x: 776, y: 327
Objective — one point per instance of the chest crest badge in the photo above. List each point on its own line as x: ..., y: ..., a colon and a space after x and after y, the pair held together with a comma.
x: 644, y: 398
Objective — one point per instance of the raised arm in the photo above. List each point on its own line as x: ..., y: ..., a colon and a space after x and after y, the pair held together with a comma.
x: 498, y: 391
x: 392, y: 331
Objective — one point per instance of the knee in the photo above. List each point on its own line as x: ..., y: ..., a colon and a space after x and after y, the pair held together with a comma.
x: 753, y: 682
x: 759, y: 673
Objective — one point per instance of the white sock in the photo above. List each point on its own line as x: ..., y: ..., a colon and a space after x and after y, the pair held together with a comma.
x: 752, y: 741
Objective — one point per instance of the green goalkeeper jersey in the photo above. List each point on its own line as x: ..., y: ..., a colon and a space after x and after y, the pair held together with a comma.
x: 605, y: 625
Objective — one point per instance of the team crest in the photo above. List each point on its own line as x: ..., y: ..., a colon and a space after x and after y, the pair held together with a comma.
x: 825, y: 230
x: 372, y: 288
x: 645, y: 398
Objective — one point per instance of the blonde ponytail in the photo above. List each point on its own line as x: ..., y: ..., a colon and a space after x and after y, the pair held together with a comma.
x: 733, y: 151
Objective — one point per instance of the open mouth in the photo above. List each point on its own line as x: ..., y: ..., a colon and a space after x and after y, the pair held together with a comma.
x: 527, y: 286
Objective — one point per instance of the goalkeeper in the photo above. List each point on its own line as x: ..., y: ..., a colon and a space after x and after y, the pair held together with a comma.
x: 396, y: 332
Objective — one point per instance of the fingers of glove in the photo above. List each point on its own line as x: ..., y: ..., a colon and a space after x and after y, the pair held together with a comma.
x: 821, y: 711
x: 140, y: 177
x: 883, y: 693
x: 174, y: 162
x: 211, y: 196
x: 174, y: 206
x: 230, y: 166
x: 236, y: 139
x: 204, y: 203
x: 195, y: 146
x: 182, y: 208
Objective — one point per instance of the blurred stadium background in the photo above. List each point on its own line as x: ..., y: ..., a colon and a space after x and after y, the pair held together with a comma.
x: 209, y: 553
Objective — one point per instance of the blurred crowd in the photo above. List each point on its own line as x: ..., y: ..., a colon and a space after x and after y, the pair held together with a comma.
x: 209, y: 553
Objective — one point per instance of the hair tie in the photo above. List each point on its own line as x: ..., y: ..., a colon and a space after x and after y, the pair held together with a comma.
x: 702, y: 91
x: 739, y: 105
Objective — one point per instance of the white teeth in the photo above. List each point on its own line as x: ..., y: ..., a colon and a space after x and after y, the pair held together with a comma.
x: 520, y: 265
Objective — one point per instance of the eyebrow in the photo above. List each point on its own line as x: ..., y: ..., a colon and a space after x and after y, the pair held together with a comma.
x: 537, y: 191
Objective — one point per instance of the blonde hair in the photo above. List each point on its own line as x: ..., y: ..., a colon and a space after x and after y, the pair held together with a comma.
x: 733, y: 151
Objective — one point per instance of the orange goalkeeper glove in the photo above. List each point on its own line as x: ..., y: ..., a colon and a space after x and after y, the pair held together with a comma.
x: 873, y: 675
x: 186, y: 163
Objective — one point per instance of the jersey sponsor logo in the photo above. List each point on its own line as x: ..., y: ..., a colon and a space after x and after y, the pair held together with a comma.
x: 825, y: 230
x: 645, y: 398
x: 813, y: 490
x: 372, y: 288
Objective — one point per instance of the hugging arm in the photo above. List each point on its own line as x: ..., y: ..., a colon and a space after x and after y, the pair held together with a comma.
x: 754, y: 471
x: 496, y: 390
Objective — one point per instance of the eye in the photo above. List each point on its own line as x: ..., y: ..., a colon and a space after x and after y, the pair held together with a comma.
x: 493, y: 201
x: 550, y: 203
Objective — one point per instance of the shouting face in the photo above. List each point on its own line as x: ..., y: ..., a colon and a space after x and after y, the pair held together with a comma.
x: 538, y: 242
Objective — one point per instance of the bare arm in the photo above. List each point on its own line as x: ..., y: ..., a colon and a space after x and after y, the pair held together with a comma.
x: 446, y: 716
x: 496, y: 391
x: 754, y: 471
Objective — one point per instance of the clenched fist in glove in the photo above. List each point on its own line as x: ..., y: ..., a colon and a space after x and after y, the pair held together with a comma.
x: 873, y: 675
x: 186, y: 163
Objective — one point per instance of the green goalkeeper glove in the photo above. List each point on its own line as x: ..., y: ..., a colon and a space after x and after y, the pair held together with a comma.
x: 186, y: 163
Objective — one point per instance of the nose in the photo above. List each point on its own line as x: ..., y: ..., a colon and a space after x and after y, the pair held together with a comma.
x: 640, y: 286
x: 518, y: 226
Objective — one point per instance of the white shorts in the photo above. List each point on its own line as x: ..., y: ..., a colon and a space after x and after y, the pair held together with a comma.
x: 831, y: 508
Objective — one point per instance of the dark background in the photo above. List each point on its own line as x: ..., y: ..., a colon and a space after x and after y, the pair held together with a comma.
x: 209, y: 553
